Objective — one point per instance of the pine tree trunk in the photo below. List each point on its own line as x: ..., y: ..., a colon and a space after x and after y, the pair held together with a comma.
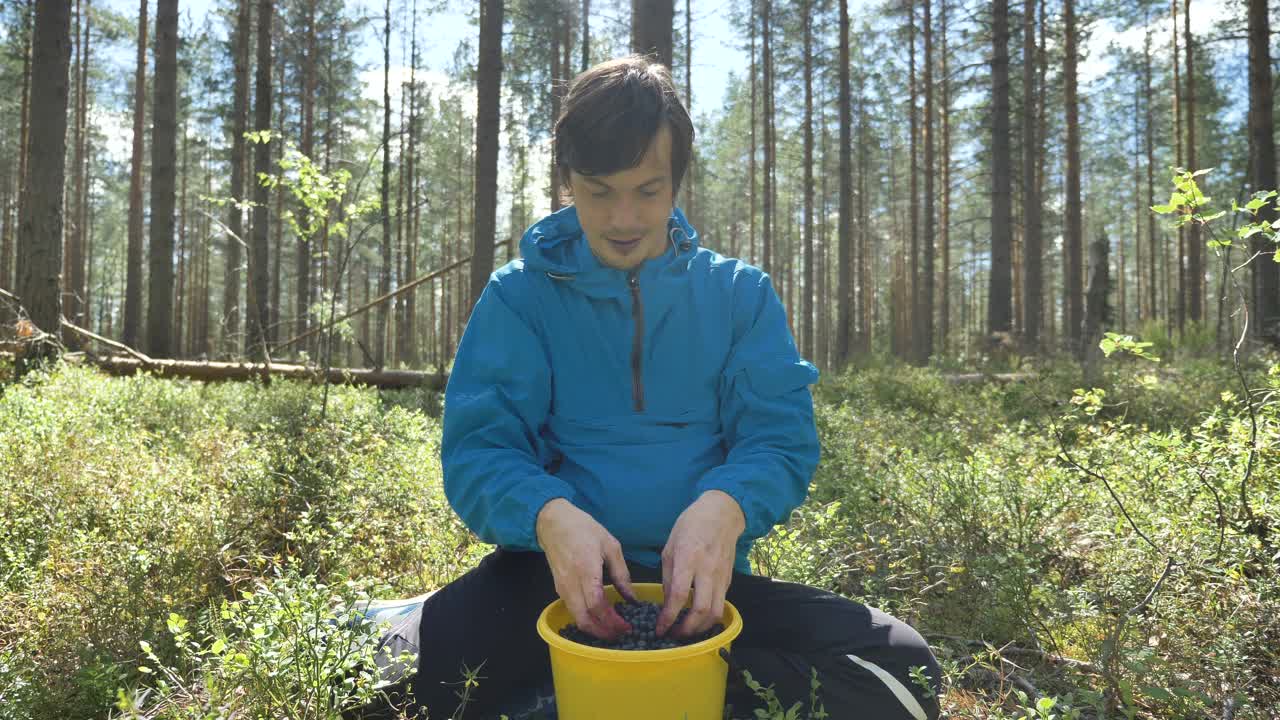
x: 999, y: 300
x: 586, y: 35
x: 806, y: 304
x: 1073, y: 223
x: 1262, y: 170
x: 766, y: 261
x: 7, y: 259
x: 275, y: 153
x: 924, y: 336
x: 557, y: 92
x: 1195, y: 270
x: 384, y: 272
x: 258, y: 297
x: 651, y: 25
x: 40, y: 224
x: 1033, y: 280
x: 755, y: 148
x: 133, y: 264
x: 844, y: 272
x: 912, y: 280
x: 235, y: 215
x: 488, y: 120
x: 1153, y: 306
x: 306, y: 145
x: 944, y: 222
x: 160, y: 342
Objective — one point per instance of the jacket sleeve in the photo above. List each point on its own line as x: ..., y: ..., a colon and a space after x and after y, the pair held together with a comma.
x: 766, y: 412
x: 497, y: 400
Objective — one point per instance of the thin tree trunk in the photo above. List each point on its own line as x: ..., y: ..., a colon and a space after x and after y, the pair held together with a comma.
x: 1195, y: 269
x: 1153, y: 307
x: 924, y: 336
x: 235, y: 214
x: 766, y: 261
x: 914, y: 322
x: 944, y: 229
x: 999, y: 308
x: 1033, y: 281
x: 258, y: 297
x: 133, y: 264
x: 586, y: 35
x: 844, y: 286
x: 651, y: 23
x: 751, y: 163
x: 488, y: 120
x: 7, y: 259
x: 1176, y: 97
x: 160, y: 342
x: 557, y: 91
x: 806, y: 304
x: 1073, y: 236
x: 276, y: 151
x: 1262, y: 170
x: 384, y: 273
x: 306, y: 145
x: 40, y: 224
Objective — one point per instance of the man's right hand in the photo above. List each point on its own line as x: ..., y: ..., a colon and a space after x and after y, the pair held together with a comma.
x: 577, y: 548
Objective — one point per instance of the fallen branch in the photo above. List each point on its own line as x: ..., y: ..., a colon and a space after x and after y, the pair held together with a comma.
x: 213, y: 371
x: 1015, y: 651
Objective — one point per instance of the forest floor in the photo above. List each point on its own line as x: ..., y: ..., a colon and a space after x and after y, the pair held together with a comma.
x: 167, y: 546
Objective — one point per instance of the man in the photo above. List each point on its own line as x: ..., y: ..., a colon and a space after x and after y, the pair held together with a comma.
x: 626, y: 406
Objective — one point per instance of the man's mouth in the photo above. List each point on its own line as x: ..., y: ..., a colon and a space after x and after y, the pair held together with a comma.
x: 624, y: 244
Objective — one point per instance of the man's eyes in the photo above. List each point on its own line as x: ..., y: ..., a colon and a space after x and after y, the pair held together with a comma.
x: 605, y: 193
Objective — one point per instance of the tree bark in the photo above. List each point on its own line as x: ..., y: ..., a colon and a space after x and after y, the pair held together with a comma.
x: 1097, y: 311
x: 912, y: 281
x: 164, y: 172
x: 1073, y: 237
x: 944, y: 223
x: 1262, y: 170
x: 40, y: 223
x: 1032, y: 285
x: 235, y: 214
x: 651, y: 24
x: 766, y: 261
x: 844, y: 286
x: 259, y: 297
x: 384, y: 270
x: 1195, y: 271
x: 133, y: 264
x: 557, y: 91
x: 999, y: 300
x: 806, y: 304
x: 1153, y: 306
x: 7, y: 260
x: 586, y: 35
x: 488, y: 117
x: 924, y: 336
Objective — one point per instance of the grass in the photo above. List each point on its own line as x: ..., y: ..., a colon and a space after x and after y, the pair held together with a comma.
x: 190, y: 516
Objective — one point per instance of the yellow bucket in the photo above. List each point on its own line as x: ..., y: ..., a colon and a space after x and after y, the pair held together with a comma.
x: 682, y: 683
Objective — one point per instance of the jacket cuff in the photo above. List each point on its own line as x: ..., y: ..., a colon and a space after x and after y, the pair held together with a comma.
x: 720, y: 479
x: 536, y: 499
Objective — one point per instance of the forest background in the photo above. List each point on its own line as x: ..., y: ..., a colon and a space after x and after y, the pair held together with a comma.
x: 922, y: 179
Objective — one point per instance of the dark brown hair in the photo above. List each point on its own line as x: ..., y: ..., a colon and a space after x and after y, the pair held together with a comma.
x: 612, y: 112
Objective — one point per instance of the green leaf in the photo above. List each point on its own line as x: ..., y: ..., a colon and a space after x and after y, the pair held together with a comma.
x: 1214, y: 216
x: 1158, y: 693
x: 218, y: 646
x: 1162, y: 209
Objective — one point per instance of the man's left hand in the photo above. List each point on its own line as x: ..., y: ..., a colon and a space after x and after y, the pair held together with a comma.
x: 699, y: 554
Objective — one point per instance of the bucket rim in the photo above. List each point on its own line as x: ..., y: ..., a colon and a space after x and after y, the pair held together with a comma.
x: 555, y: 641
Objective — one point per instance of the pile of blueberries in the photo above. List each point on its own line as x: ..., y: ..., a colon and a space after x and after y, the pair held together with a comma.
x: 643, y: 618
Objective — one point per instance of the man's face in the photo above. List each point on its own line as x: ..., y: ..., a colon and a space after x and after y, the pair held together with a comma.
x: 625, y: 214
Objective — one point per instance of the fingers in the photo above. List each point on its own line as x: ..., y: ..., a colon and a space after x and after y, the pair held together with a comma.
x: 605, y: 619
x: 707, y: 608
x: 619, y: 572
x: 675, y: 593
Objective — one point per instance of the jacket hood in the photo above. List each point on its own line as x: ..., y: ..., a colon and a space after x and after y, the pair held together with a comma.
x: 557, y: 246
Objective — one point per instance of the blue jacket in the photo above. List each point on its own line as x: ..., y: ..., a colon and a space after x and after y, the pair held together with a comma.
x: 627, y: 393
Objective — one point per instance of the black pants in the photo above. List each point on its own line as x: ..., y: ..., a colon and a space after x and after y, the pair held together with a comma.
x: 863, y: 656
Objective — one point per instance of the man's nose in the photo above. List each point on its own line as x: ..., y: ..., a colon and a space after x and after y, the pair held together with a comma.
x: 624, y: 215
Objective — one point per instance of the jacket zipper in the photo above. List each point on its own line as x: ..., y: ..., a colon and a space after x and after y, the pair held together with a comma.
x: 637, y: 343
